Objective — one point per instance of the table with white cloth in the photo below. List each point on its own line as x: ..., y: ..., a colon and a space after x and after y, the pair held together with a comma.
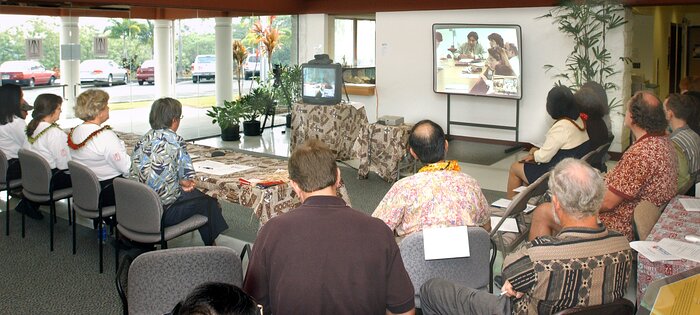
x: 675, y: 223
x: 266, y: 202
x: 338, y: 126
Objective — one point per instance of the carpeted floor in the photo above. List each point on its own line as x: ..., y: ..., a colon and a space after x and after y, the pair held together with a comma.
x: 477, y: 152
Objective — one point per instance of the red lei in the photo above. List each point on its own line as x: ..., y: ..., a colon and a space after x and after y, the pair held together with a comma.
x: 77, y: 146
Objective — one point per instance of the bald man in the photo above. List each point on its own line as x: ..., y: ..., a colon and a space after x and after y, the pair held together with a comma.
x: 439, y: 195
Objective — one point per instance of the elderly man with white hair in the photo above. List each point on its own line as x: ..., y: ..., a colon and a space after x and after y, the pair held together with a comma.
x: 584, y: 264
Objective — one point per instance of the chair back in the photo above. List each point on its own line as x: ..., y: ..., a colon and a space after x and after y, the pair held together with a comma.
x: 588, y: 158
x: 86, y: 187
x: 617, y: 307
x: 138, y: 207
x: 36, y: 173
x: 472, y: 272
x: 519, y: 203
x: 158, y: 280
x: 646, y: 214
x: 3, y: 169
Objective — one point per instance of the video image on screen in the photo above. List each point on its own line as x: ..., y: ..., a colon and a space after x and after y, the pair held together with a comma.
x: 477, y: 59
x: 319, y: 82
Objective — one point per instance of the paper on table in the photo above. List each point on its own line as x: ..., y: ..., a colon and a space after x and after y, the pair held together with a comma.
x: 447, y: 242
x: 681, y: 249
x: 193, y: 156
x: 504, y: 203
x: 218, y: 168
x: 690, y: 204
x: 652, y: 251
x: 509, y: 225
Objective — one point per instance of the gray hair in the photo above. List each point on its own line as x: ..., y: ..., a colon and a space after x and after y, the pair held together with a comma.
x: 578, y: 187
x: 163, y: 112
x: 90, y: 103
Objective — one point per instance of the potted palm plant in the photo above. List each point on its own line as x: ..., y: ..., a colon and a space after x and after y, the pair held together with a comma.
x: 254, y: 105
x: 228, y: 117
x: 288, y: 88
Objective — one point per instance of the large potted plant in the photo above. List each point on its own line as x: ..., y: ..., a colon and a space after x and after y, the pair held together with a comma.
x: 255, y: 104
x: 228, y: 117
x: 240, y: 53
x: 288, y: 88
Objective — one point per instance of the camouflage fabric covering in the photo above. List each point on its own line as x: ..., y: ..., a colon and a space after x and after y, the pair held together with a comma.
x: 267, y: 203
x: 338, y: 126
x: 380, y: 149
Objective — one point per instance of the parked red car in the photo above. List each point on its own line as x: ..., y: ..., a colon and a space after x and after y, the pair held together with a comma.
x: 26, y: 72
x: 145, y: 72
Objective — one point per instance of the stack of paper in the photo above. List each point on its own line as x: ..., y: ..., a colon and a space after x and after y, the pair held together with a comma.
x: 218, y: 168
x: 690, y: 204
x: 667, y: 249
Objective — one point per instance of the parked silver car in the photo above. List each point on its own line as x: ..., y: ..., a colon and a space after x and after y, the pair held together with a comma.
x: 102, y: 72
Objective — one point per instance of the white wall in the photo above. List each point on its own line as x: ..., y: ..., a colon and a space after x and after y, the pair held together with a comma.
x: 405, y: 72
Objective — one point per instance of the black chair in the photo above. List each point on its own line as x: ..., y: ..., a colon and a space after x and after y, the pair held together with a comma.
x: 87, y: 199
x: 618, y: 307
x: 7, y: 185
x: 37, y: 186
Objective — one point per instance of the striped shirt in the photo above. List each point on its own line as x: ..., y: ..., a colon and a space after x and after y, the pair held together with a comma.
x: 689, y: 142
x: 578, y: 267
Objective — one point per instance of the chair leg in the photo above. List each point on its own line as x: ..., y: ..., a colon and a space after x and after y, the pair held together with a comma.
x: 69, y: 211
x: 116, y: 250
x: 7, y: 213
x: 70, y: 218
x: 52, y: 221
x: 22, y: 224
x: 99, y: 230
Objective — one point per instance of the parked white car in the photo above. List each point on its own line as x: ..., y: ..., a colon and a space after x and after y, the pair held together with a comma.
x: 251, y: 66
x: 203, y: 67
x: 102, y: 72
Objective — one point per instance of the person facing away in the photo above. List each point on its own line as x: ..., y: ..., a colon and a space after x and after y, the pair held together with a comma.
x: 97, y: 146
x: 325, y: 257
x: 584, y: 264
x: 217, y: 298
x: 161, y: 161
x: 679, y: 108
x: 439, y: 195
x: 646, y: 171
x: 46, y: 138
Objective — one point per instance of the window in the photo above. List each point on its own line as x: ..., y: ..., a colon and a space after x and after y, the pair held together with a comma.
x: 354, y: 42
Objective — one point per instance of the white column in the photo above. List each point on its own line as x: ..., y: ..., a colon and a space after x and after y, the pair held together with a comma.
x: 70, y: 69
x: 163, y: 58
x: 224, y: 60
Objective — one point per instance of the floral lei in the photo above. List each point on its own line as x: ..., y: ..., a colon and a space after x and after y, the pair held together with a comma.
x: 450, y: 165
x: 34, y: 139
x: 77, y: 146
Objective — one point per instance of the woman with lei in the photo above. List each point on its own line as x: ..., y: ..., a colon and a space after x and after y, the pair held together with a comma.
x: 49, y: 141
x: 97, y: 146
x: 566, y: 138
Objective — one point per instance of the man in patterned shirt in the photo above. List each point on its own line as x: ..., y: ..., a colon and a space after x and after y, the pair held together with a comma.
x: 161, y: 161
x: 439, y: 195
x: 647, y: 171
x: 585, y: 264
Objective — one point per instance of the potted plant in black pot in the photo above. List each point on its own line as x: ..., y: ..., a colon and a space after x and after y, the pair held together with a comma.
x: 228, y: 117
x: 288, y: 85
x: 255, y: 104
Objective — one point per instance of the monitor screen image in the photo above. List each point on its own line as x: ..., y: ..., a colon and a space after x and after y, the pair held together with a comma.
x: 477, y: 59
x: 321, y: 84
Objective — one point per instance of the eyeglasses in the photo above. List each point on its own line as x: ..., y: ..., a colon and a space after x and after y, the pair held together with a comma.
x: 259, y: 308
x: 182, y: 116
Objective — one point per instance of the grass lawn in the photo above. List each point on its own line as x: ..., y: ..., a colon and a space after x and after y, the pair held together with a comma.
x: 198, y: 102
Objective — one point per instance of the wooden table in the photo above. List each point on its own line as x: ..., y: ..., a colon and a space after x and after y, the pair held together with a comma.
x: 267, y: 203
x: 459, y: 78
x: 381, y: 149
x: 338, y: 126
x: 674, y: 223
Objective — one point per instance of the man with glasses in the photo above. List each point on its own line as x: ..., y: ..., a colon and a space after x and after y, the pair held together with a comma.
x: 585, y: 264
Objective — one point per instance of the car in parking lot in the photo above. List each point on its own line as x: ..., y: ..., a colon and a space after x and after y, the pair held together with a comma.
x: 145, y: 72
x: 102, y: 72
x: 26, y: 72
x: 203, y: 67
x: 251, y: 67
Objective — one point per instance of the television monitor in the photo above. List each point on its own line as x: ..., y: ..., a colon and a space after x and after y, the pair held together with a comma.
x: 321, y: 83
x: 477, y: 59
